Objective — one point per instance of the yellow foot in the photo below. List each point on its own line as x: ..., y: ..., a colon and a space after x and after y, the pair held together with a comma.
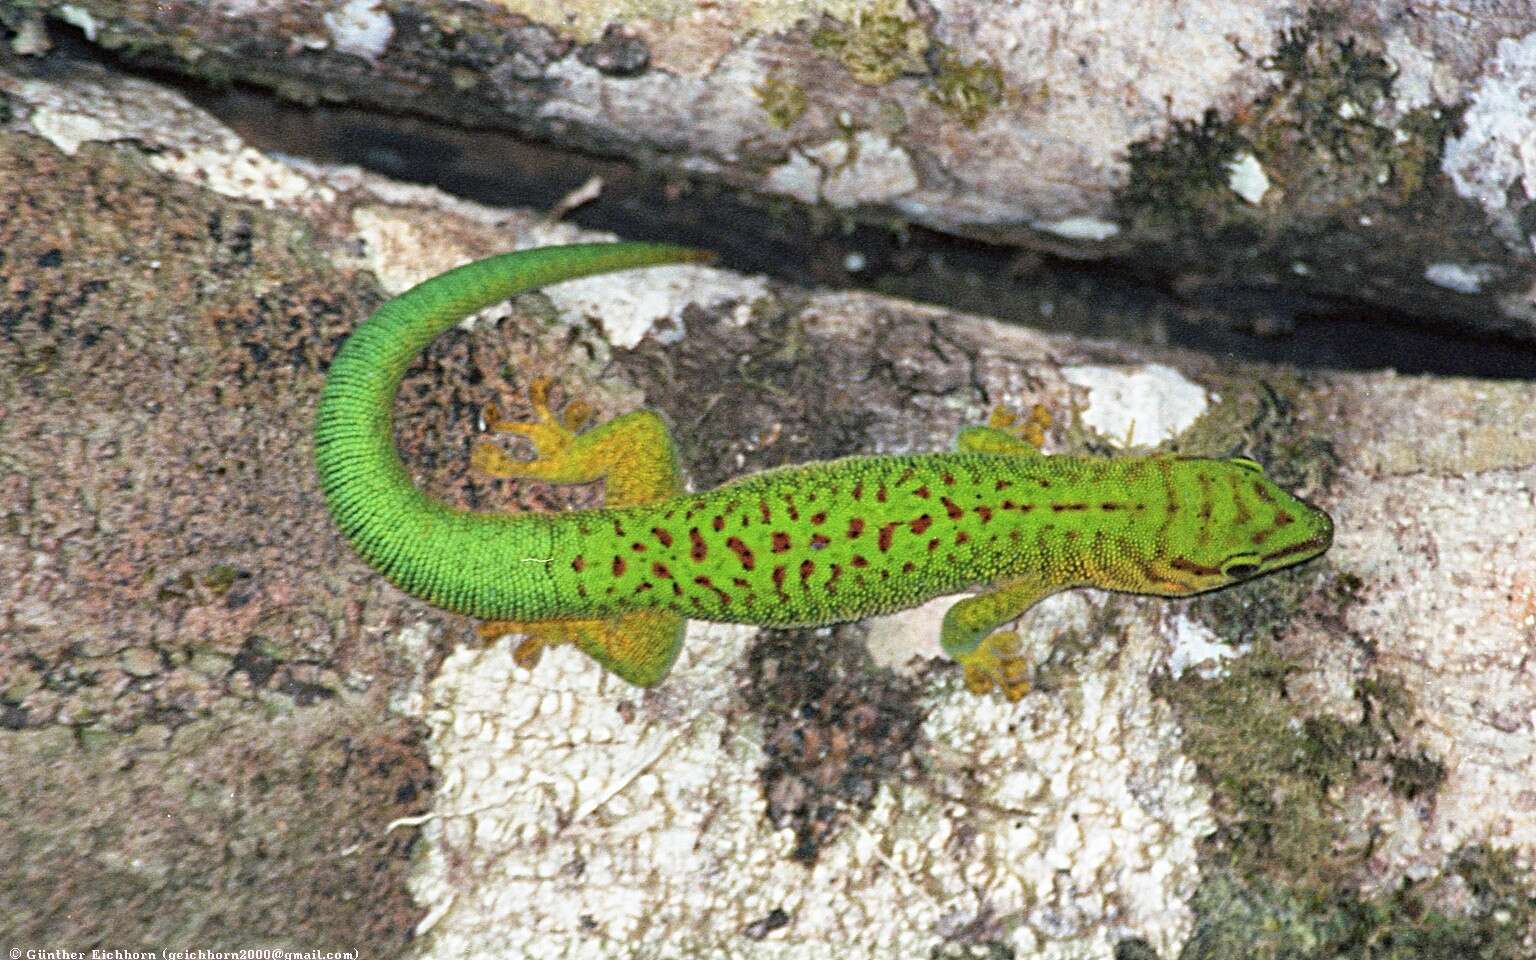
x: 530, y: 649
x: 551, y: 434
x: 1031, y: 430
x: 996, y: 664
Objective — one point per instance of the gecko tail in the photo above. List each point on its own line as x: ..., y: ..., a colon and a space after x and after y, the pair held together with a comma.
x: 459, y: 560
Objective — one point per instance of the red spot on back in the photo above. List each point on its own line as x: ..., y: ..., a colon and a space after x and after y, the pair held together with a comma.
x: 1110, y: 505
x: 859, y: 561
x: 880, y: 493
x: 637, y: 546
x: 1260, y: 492
x: 789, y: 502
x: 1068, y: 507
x: 718, y: 523
x: 922, y: 492
x: 660, y: 570
x: 700, y: 548
x: 985, y: 513
x: 886, y: 533
x: 961, y: 537
x: 778, y: 581
x: 819, y: 519
x: 708, y: 584
x: 618, y: 566
x: 1282, y: 518
x: 933, y: 544
x: 806, y: 569
x: 837, y: 571
x: 952, y: 508
x: 922, y: 523
x: 1001, y: 485
x: 906, y: 475
x: 818, y: 541
x: 578, y: 563
x: 908, y: 567
x: 661, y: 535
x: 742, y: 551
x: 948, y: 478
x: 780, y: 541
x: 763, y: 511
x: 855, y: 527
x: 618, y: 528
x: 858, y: 490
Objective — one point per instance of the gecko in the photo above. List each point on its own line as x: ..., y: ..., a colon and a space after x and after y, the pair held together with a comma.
x: 808, y: 544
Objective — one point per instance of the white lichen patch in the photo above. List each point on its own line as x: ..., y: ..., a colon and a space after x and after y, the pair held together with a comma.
x: 243, y: 174
x: 796, y: 177
x: 1196, y: 647
x: 1450, y: 611
x: 75, y: 111
x: 1137, y: 406
x: 895, y: 641
x: 867, y: 168
x: 579, y: 818
x: 79, y: 17
x: 184, y: 142
x: 633, y: 304
x: 1497, y: 147
x: 362, y: 28
x: 1246, y: 177
x: 1460, y: 277
x: 586, y: 21
x: 1080, y: 228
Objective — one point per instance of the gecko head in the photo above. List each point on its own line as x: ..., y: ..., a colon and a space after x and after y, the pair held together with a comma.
x: 1240, y: 525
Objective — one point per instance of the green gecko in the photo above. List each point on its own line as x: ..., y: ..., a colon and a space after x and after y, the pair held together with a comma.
x: 815, y: 543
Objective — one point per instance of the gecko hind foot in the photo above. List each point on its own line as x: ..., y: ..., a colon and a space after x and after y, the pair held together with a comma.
x: 550, y: 434
x: 996, y: 663
x: 536, y: 636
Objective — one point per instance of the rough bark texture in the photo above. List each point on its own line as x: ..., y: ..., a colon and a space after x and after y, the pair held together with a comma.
x: 210, y: 711
x: 1325, y: 155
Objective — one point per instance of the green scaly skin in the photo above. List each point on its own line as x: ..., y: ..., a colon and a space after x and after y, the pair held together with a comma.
x: 810, y: 544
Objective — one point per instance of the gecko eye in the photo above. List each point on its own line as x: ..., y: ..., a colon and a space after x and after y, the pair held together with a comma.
x: 1247, y: 464
x: 1240, y: 567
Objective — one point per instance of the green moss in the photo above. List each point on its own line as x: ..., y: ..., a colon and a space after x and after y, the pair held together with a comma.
x: 1274, y: 921
x: 1269, y: 771
x: 967, y: 89
x: 879, y: 46
x: 1324, y: 134
x: 1181, y: 180
x: 783, y: 99
x: 220, y: 578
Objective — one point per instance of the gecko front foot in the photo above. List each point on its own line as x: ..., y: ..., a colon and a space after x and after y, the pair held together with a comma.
x: 1029, y: 429
x: 1006, y: 433
x: 996, y: 663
